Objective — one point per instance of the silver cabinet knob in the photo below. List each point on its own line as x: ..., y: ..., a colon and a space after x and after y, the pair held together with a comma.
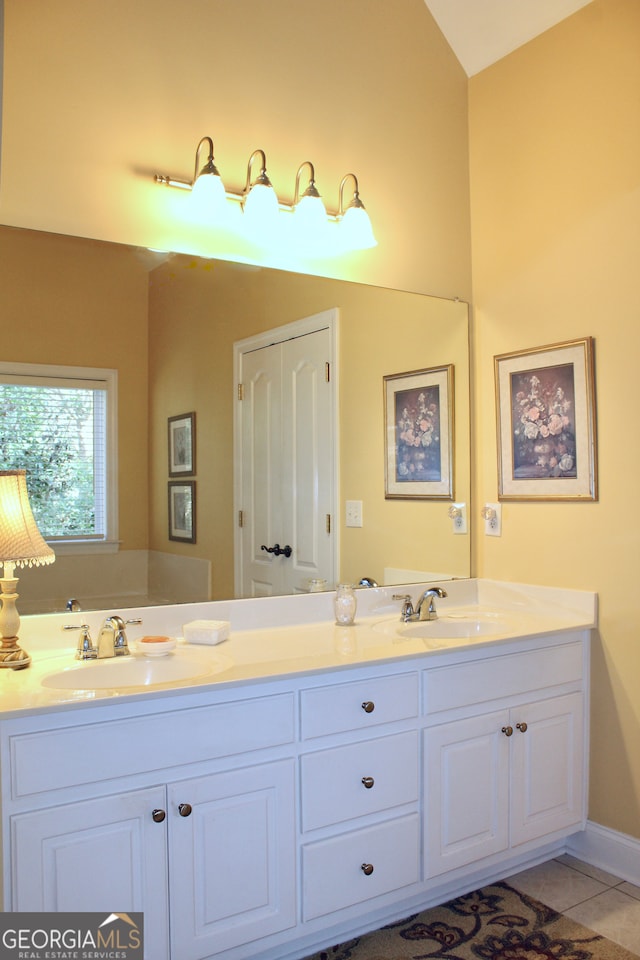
x: 368, y: 782
x: 368, y: 706
x: 158, y: 815
x: 367, y: 869
x: 185, y: 809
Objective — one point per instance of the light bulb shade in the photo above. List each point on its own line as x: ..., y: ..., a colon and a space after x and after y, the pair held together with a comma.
x: 261, y: 207
x: 310, y: 213
x: 21, y: 543
x: 208, y: 191
x: 355, y: 227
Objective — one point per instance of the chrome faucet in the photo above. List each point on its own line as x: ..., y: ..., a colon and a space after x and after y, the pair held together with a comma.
x: 426, y: 605
x: 425, y: 608
x: 112, y: 639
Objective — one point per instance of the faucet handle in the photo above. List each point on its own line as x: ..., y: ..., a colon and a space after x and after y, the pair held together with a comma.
x: 85, y: 649
x: 120, y: 643
x: 407, y: 605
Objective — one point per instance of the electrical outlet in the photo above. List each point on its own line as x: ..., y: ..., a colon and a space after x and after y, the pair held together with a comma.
x: 353, y: 513
x: 492, y: 514
x: 458, y: 515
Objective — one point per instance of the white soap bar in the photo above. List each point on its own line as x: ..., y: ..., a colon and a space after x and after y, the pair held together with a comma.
x: 206, y: 631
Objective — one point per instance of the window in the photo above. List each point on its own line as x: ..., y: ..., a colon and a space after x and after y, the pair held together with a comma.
x: 59, y: 424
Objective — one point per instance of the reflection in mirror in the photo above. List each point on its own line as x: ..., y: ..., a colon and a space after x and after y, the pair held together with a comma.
x: 168, y: 326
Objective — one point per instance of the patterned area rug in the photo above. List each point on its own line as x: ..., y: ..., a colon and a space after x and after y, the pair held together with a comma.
x: 495, y: 923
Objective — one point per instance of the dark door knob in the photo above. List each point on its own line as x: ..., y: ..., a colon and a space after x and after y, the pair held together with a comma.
x: 158, y: 815
x: 184, y: 809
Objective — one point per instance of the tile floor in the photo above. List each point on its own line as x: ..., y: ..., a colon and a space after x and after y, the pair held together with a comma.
x: 589, y: 896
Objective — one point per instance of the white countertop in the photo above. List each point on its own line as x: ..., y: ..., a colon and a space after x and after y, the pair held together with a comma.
x: 298, y: 637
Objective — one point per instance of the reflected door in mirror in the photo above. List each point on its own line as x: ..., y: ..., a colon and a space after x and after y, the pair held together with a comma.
x: 286, y: 474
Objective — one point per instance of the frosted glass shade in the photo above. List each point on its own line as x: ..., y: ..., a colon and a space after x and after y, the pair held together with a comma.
x: 209, y: 193
x: 261, y: 208
x: 356, y: 230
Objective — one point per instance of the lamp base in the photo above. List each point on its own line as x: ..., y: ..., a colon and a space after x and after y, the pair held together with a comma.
x: 12, y: 655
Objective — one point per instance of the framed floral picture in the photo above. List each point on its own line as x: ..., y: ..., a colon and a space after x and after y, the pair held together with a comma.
x: 182, y: 510
x: 182, y: 445
x: 545, y: 400
x: 419, y: 434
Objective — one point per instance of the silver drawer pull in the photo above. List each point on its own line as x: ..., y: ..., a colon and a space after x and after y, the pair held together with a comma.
x: 368, y: 706
x: 368, y: 782
x: 367, y: 869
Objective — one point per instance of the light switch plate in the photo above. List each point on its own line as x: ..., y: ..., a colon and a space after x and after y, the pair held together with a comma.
x: 353, y: 513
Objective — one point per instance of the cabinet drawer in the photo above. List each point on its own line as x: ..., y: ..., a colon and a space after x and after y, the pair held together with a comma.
x: 479, y: 681
x: 332, y: 870
x: 359, y: 779
x: 93, y: 752
x: 358, y: 705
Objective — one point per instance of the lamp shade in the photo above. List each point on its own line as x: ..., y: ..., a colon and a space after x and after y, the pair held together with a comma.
x: 21, y: 543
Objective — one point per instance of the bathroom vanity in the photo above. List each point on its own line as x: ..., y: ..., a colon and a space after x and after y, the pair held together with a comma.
x: 322, y: 781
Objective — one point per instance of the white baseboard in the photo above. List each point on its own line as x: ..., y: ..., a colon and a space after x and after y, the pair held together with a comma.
x: 614, y: 852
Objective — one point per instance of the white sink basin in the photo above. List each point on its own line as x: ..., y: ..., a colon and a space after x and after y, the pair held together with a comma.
x: 460, y: 624
x: 443, y: 629
x: 137, y: 671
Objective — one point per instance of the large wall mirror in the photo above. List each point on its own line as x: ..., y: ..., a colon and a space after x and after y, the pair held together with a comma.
x: 168, y: 326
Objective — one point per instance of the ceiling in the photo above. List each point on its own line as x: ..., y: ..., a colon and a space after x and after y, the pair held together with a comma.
x: 480, y: 32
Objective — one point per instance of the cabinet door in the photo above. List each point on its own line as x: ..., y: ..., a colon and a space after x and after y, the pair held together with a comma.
x: 96, y: 855
x: 547, y: 767
x: 466, y: 796
x: 232, y: 855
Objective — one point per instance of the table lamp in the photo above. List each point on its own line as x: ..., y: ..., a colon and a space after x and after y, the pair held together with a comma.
x: 21, y: 545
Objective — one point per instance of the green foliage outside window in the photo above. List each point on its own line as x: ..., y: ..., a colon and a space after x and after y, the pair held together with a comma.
x: 49, y: 432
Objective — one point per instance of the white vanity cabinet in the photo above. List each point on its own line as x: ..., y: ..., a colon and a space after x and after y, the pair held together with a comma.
x: 267, y: 819
x: 209, y: 859
x: 510, y: 768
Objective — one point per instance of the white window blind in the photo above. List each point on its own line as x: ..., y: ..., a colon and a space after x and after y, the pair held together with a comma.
x: 60, y: 429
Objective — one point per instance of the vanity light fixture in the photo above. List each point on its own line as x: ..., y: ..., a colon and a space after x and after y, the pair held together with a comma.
x: 207, y: 186
x: 260, y: 200
x: 309, y: 208
x: 261, y: 206
x: 21, y: 545
x: 356, y: 224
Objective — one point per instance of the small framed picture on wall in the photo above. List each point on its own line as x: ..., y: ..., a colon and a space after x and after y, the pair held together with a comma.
x: 182, y: 445
x: 182, y: 510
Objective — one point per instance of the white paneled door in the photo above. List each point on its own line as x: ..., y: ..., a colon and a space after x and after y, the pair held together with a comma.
x: 285, y: 471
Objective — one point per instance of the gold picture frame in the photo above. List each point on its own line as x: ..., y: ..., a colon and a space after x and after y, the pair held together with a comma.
x: 419, y: 420
x: 546, y: 419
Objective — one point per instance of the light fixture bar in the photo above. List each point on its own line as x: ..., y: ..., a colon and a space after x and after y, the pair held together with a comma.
x: 168, y: 181
x: 209, y: 173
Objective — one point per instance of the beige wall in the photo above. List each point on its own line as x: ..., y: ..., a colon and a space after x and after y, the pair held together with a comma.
x: 126, y: 90
x: 555, y: 180
x: 554, y: 145
x: 198, y: 309
x: 81, y: 303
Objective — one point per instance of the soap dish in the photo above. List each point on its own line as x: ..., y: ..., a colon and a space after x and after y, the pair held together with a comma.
x: 155, y: 646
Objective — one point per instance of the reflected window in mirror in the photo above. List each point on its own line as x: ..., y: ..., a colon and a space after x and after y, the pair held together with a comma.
x: 58, y: 424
